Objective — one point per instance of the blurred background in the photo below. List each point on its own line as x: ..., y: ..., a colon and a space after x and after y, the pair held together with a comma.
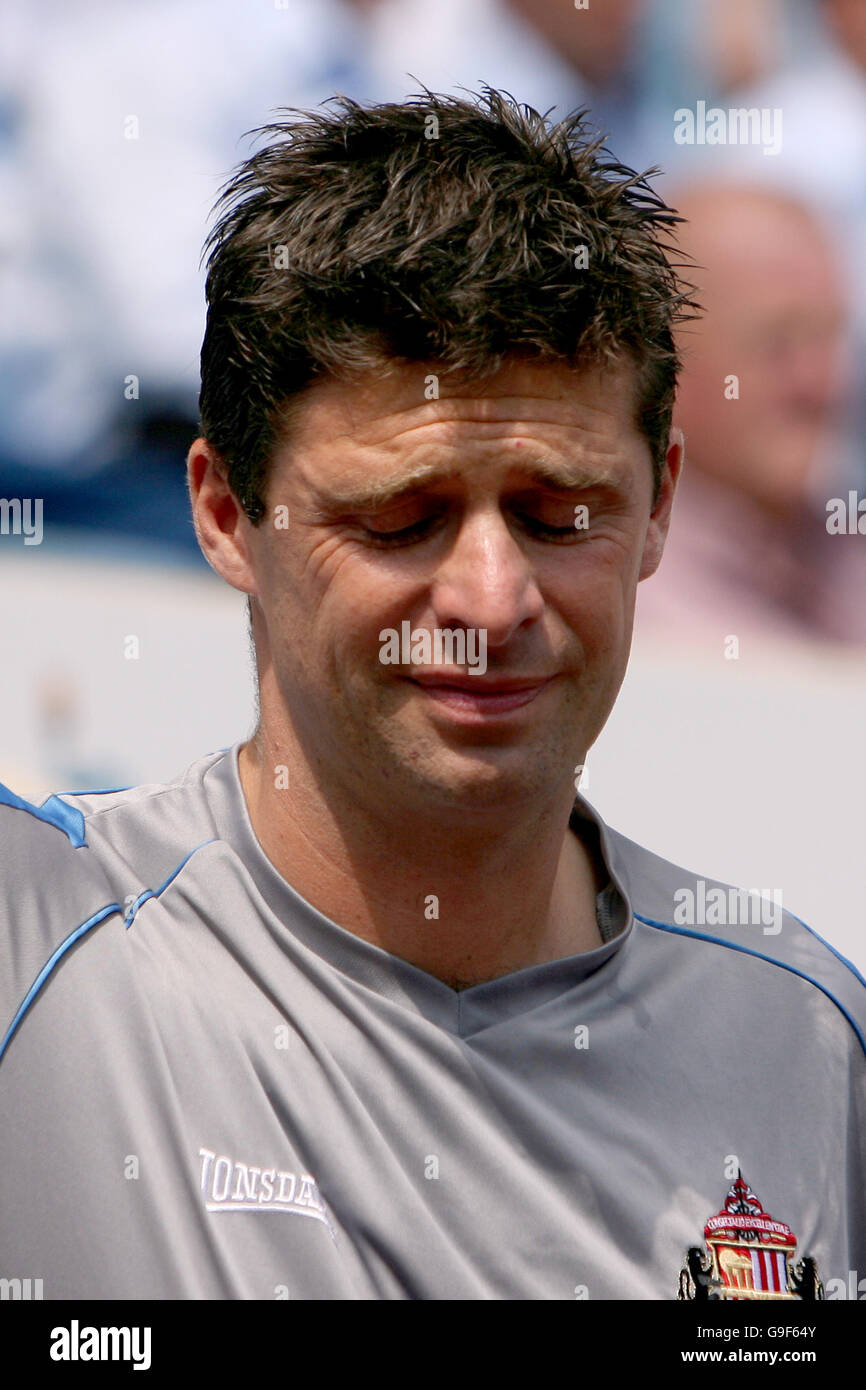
x: 125, y: 658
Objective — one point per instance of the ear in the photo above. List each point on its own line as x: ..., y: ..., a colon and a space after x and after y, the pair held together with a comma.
x: 222, y: 528
x: 660, y: 517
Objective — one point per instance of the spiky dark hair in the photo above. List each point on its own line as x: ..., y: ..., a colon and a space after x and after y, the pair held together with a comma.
x: 439, y: 229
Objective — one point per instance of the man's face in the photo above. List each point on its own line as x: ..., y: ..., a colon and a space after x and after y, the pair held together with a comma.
x: 774, y: 319
x: 453, y: 514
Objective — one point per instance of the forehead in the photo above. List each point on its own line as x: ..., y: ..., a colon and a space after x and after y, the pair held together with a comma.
x: 417, y: 405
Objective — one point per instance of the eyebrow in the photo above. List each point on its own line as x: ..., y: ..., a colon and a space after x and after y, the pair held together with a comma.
x: 562, y: 477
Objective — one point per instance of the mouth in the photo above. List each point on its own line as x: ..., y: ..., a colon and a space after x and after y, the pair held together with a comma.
x: 475, y: 698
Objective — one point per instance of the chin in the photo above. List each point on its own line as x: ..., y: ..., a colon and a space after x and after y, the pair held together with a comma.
x: 483, y: 779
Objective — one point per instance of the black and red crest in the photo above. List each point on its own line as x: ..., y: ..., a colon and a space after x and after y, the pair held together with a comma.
x: 748, y: 1255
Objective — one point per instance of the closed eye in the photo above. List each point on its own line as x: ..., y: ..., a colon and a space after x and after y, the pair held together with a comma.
x: 423, y: 528
x: 544, y: 530
x: 405, y: 535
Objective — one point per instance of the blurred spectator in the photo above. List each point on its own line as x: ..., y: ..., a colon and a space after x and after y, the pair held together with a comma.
x: 118, y: 124
x: 632, y: 62
x: 821, y: 95
x: 759, y: 402
x: 606, y: 57
x: 119, y: 121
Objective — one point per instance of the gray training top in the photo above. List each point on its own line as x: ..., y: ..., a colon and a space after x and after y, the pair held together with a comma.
x: 209, y: 1090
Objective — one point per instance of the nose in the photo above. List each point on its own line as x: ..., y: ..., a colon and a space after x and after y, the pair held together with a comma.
x: 486, y: 580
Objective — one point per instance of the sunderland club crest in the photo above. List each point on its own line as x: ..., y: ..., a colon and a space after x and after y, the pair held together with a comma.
x: 748, y: 1256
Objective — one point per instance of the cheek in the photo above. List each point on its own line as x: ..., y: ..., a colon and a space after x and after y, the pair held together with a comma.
x: 351, y: 615
x: 596, y: 609
x: 307, y: 587
x: 606, y: 571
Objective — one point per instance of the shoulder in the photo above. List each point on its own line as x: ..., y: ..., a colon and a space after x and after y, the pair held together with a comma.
x: 737, y: 933
x: 81, y: 858
x: 72, y: 829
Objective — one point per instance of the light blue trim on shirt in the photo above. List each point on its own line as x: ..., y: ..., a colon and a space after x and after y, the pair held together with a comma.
x: 85, y: 927
x: 771, y: 960
x: 53, y: 811
x: 96, y: 791
x: 155, y: 892
x: 49, y: 965
x: 838, y: 954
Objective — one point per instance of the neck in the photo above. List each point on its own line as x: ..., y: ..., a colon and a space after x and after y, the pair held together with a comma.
x: 465, y: 901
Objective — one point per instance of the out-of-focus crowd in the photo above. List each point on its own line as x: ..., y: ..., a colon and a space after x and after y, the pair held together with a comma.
x: 119, y: 122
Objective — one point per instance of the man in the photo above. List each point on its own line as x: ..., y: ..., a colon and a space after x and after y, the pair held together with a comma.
x: 759, y: 401
x: 369, y: 1005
